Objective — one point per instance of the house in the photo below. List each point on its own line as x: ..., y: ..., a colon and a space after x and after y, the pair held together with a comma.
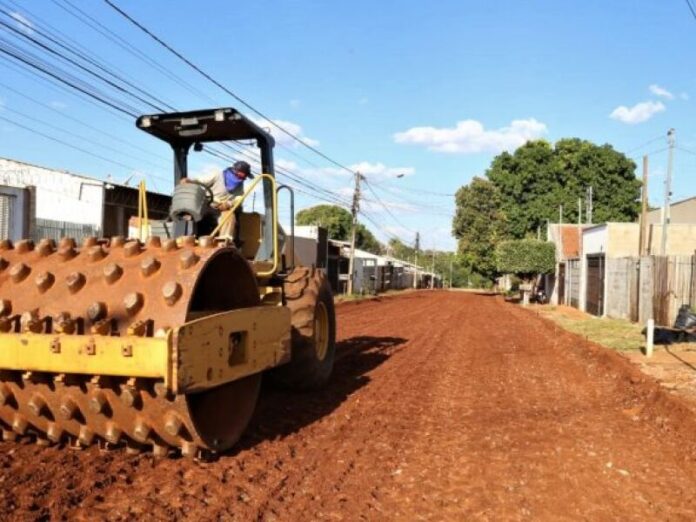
x: 563, y: 286
x: 609, y: 259
x: 683, y: 211
x: 39, y: 202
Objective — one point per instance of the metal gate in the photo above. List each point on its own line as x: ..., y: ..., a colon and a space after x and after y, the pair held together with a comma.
x: 6, y: 213
x: 561, y: 283
x: 594, y: 302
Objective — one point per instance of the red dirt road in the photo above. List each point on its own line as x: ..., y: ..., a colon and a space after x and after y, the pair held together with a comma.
x: 444, y: 406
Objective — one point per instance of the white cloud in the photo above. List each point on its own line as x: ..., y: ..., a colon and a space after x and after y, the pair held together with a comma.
x: 373, y: 171
x: 469, y: 136
x: 282, y: 138
x: 639, y: 113
x: 661, y: 92
x: 23, y: 24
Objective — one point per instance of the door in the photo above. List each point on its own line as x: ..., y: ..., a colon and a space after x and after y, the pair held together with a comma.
x: 594, y: 302
x: 561, y: 283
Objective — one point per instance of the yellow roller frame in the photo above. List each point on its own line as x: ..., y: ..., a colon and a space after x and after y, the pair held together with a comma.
x: 236, y: 205
x: 198, y: 355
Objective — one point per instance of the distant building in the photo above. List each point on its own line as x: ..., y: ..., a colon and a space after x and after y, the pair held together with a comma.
x: 683, y: 211
x: 38, y: 202
x: 581, y: 278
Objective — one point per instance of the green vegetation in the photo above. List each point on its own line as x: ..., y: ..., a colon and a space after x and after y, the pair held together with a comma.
x: 478, y: 225
x: 613, y: 333
x: 525, y: 258
x: 338, y: 222
x: 523, y: 191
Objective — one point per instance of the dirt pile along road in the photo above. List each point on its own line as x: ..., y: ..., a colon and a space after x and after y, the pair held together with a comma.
x: 444, y: 406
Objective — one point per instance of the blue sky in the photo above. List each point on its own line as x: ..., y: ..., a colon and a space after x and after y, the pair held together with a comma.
x: 432, y: 90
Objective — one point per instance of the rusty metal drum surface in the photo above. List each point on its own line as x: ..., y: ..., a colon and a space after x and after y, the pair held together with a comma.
x: 118, y: 287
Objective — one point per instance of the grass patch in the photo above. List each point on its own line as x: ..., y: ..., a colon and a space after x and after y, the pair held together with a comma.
x: 617, y: 334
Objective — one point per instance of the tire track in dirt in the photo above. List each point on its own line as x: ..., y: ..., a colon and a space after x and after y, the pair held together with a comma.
x: 444, y: 406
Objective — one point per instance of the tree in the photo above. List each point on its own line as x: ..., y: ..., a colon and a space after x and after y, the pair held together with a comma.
x: 538, y: 177
x: 338, y: 222
x: 478, y: 226
x: 525, y: 258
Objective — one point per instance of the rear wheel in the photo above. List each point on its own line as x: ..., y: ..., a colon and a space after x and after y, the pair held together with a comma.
x: 309, y: 297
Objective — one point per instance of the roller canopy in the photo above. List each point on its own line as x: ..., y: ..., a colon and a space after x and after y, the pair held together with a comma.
x: 202, y: 126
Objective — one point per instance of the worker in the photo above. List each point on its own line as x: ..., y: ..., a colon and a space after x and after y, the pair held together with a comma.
x: 227, y: 187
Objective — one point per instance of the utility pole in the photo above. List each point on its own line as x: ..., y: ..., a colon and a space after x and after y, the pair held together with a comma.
x: 588, y: 206
x: 450, y: 278
x: 668, y: 193
x: 642, y: 246
x: 354, y: 209
x: 415, y: 263
x: 560, y: 232
x: 432, y: 277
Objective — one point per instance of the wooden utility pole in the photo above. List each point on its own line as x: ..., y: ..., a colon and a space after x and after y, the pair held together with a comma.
x: 668, y: 193
x: 642, y: 242
x: 450, y: 278
x: 415, y: 263
x: 432, y: 276
x: 354, y: 209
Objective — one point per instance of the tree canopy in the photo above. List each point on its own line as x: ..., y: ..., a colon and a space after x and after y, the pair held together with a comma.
x: 523, y: 190
x: 338, y: 222
x: 538, y: 177
x: 478, y: 225
x: 525, y: 257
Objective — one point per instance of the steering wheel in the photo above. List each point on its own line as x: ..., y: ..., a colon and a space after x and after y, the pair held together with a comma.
x: 208, y: 191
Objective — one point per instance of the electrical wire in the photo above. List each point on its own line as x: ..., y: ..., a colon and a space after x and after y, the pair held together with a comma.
x: 221, y: 86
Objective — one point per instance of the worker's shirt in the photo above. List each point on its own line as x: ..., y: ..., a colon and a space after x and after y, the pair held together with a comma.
x: 216, y: 183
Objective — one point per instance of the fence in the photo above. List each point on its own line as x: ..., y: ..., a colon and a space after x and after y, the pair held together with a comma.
x: 51, y: 229
x: 650, y: 287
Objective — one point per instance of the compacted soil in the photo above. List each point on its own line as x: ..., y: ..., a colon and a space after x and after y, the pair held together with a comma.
x: 443, y: 406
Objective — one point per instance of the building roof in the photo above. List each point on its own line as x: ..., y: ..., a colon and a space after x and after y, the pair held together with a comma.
x: 81, y: 176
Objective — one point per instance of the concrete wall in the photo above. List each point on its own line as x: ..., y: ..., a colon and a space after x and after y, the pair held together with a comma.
x: 680, y: 212
x: 681, y: 239
x: 623, y: 239
x: 60, y: 196
x: 595, y: 240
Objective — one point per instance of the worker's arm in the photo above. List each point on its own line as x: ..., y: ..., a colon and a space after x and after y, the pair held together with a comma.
x: 206, y: 179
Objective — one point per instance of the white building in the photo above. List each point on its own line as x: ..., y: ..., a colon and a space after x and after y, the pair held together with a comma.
x: 34, y: 198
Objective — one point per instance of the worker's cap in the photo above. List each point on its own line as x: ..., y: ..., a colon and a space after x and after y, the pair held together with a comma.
x: 242, y: 166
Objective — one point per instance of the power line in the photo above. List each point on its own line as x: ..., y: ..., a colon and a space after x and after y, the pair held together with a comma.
x: 12, y: 53
x: 67, y: 144
x: 691, y: 8
x: 221, y: 86
x: 107, y: 33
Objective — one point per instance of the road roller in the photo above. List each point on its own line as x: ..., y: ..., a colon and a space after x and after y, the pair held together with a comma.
x: 159, y: 344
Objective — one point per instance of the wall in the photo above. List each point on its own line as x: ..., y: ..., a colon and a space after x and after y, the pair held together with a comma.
x: 681, y: 239
x: 623, y: 239
x: 680, y: 212
x: 650, y: 287
x: 60, y: 196
x: 595, y: 239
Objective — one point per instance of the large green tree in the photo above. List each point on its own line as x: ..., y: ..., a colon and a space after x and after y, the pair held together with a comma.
x: 537, y: 178
x: 478, y: 226
x: 338, y: 223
